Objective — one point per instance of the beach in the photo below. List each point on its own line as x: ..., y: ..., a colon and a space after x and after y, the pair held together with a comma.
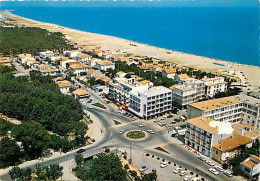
x: 246, y: 73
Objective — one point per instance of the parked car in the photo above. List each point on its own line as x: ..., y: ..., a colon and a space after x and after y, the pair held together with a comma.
x: 170, y: 116
x: 89, y: 107
x: 219, y: 168
x: 150, y: 131
x: 214, y: 171
x: 176, y: 170
x: 164, y: 164
x: 142, y: 125
x: 144, y: 168
x: 81, y: 150
x: 228, y: 174
x: 209, y: 163
x: 187, y: 178
x: 169, y: 125
x: 202, y: 158
x: 184, y: 172
x: 163, y: 118
x: 156, y: 120
x: 89, y: 101
x: 121, y: 131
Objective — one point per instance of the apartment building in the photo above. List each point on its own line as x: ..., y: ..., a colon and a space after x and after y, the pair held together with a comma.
x: 214, y: 85
x: 250, y: 110
x: 222, y: 109
x: 105, y: 65
x: 201, y: 135
x: 189, y: 91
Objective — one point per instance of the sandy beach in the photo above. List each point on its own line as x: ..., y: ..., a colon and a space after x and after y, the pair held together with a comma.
x: 246, y: 73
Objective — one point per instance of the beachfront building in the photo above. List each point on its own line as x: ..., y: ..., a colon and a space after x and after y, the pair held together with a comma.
x: 49, y: 72
x: 64, y: 86
x: 170, y: 73
x: 250, y: 110
x: 214, y: 85
x: 201, y: 135
x: 93, y: 73
x: 227, y: 148
x: 105, y: 65
x: 181, y: 77
x: 83, y: 58
x: 189, y: 90
x: 46, y: 54
x: 222, y: 109
x: 79, y: 69
x: 251, y: 166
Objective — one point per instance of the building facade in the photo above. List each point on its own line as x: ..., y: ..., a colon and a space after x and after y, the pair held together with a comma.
x: 214, y: 85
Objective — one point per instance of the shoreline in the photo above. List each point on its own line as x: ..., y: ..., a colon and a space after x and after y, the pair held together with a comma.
x: 246, y: 73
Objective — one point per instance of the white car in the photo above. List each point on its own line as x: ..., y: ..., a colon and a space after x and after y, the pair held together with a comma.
x: 209, y: 163
x: 184, y: 172
x: 142, y: 125
x: 90, y: 107
x: 214, y: 171
x: 187, y: 178
x: 150, y: 131
x: 176, y: 170
x: 169, y: 125
x: 163, y: 118
x: 219, y: 168
x: 164, y: 164
x: 121, y: 131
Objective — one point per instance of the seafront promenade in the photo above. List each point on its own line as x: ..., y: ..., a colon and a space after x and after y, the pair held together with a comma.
x: 246, y: 73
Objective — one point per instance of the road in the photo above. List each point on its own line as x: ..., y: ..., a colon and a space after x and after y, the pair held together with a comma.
x: 111, y: 138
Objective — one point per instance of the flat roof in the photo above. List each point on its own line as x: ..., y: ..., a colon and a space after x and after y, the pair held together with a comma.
x: 247, y: 99
x: 203, y: 123
x: 153, y: 91
x: 214, y: 103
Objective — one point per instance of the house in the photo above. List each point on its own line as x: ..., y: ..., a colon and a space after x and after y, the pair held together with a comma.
x: 71, y: 54
x: 228, y: 147
x: 120, y: 74
x: 105, y: 65
x: 114, y: 58
x: 65, y: 64
x: 42, y: 67
x: 106, y: 55
x: 93, y: 73
x: 214, y: 85
x: 33, y: 64
x: 64, y: 86
x: 251, y: 166
x: 46, y: 54
x: 80, y: 94
x: 180, y: 77
x: 92, y: 62
x: 79, y: 69
x: 82, y: 57
x: 4, y: 61
x: 170, y: 73
x: 49, y: 71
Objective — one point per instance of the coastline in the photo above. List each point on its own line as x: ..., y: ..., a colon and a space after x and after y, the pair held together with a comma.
x: 246, y: 73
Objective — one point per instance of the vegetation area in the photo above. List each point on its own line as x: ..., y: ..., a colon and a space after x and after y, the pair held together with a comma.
x: 52, y: 172
x: 161, y: 149
x: 241, y: 156
x: 229, y: 92
x: 31, y: 40
x: 197, y: 74
x: 135, y: 134
x: 42, y: 108
x: 92, y: 81
x: 100, y: 105
x: 117, y: 122
x: 157, y: 79
x: 104, y: 167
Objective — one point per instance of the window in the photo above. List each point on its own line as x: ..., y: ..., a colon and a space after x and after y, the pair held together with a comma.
x: 216, y: 151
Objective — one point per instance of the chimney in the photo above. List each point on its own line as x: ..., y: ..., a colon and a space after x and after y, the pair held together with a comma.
x: 242, y: 131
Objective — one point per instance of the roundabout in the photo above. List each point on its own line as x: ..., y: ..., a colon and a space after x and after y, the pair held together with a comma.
x: 136, y: 134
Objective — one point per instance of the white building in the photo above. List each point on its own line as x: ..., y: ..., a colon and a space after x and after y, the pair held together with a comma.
x: 105, y: 65
x: 65, y: 63
x: 92, y: 62
x: 46, y: 54
x: 93, y: 73
x: 189, y: 91
x: 201, y: 135
x: 82, y: 57
x: 214, y: 85
x: 120, y: 74
x: 180, y: 77
x: 79, y: 69
x: 251, y: 166
x: 250, y: 110
x: 71, y: 54
x: 222, y: 109
x: 170, y: 73
x: 64, y: 86
x: 49, y: 71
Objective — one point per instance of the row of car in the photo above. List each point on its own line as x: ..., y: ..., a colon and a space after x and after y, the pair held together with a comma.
x: 216, y: 168
x: 127, y: 114
x: 148, y: 131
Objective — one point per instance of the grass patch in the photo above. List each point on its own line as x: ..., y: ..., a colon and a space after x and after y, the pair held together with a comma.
x: 135, y: 134
x: 161, y: 149
x: 117, y: 122
x: 99, y: 105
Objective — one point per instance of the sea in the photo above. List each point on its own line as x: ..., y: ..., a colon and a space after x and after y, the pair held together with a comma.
x: 227, y: 33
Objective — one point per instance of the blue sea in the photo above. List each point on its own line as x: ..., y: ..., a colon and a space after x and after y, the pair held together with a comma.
x: 227, y: 33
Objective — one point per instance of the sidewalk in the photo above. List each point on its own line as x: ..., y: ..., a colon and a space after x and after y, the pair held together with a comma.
x: 95, y: 130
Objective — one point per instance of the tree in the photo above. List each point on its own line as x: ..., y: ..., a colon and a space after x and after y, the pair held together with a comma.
x: 35, y: 139
x: 53, y: 172
x: 176, y: 104
x: 9, y: 152
x: 79, y: 160
x: 150, y: 176
x: 92, y: 81
x: 16, y: 173
x: 104, y: 167
x: 126, y: 166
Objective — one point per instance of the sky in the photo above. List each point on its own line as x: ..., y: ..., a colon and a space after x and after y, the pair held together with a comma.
x: 193, y: 3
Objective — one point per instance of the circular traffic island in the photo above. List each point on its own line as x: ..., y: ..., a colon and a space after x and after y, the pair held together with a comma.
x: 136, y: 135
